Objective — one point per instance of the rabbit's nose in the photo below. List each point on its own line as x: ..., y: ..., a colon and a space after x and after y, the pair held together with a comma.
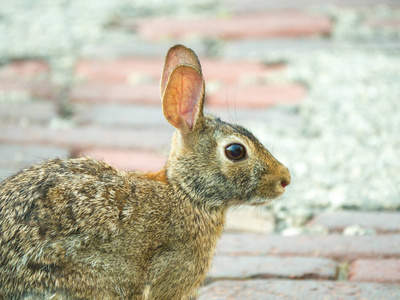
x: 285, y: 180
x: 285, y: 183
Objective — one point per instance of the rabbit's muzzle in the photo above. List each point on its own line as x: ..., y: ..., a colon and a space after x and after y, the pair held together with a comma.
x: 282, y: 180
x: 285, y: 177
x: 272, y: 185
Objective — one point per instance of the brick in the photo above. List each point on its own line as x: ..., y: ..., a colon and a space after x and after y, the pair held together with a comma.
x: 35, y: 89
x: 240, y: 96
x: 260, y: 25
x: 26, y: 113
x: 25, y: 70
x: 136, y: 69
x: 381, y: 221
x: 141, y: 117
x: 232, y: 71
x: 116, y: 93
x: 257, y: 96
x: 248, y: 219
x: 45, y: 90
x: 128, y: 160
x: 375, y: 270
x: 331, y: 246
x: 15, y: 157
x: 156, y: 140
x: 7, y: 85
x: 119, y: 70
x: 242, y: 267
x: 297, y: 289
x: 393, y: 24
x: 137, y: 116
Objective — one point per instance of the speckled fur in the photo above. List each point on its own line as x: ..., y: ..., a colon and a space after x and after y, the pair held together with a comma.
x: 80, y: 229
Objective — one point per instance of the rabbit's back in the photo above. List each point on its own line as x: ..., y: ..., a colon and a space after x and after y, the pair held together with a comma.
x: 63, y: 196
x: 56, y: 216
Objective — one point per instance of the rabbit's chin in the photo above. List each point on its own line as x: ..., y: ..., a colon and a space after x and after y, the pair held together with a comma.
x: 258, y: 201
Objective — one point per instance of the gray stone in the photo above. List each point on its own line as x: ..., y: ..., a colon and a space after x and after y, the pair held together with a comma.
x: 279, y: 49
x: 255, y: 6
x: 379, y: 220
x: 244, y: 267
x: 331, y: 246
x: 304, y: 289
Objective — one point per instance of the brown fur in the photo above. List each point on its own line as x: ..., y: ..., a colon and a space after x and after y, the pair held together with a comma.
x: 80, y: 229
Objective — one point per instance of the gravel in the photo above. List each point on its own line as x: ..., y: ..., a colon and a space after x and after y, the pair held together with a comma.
x: 344, y: 154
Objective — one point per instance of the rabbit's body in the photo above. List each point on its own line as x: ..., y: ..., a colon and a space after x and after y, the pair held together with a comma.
x: 80, y: 229
x: 102, y: 234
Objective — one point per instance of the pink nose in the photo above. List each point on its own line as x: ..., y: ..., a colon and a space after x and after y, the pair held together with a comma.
x: 285, y: 177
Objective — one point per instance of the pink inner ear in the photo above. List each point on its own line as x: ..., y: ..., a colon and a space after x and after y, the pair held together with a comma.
x: 183, y: 97
x: 177, y: 55
x: 191, y: 87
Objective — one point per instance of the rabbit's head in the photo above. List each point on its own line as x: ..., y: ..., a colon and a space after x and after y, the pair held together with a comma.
x: 216, y: 163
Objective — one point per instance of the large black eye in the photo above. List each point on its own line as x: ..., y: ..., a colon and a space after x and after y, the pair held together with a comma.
x: 235, y: 152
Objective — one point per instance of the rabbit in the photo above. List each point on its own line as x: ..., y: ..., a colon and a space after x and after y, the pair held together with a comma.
x: 79, y: 228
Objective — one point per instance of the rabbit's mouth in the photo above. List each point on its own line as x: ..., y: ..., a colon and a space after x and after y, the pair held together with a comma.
x: 265, y: 198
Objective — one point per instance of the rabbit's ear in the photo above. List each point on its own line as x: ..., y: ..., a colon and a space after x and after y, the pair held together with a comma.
x: 184, y: 97
x: 177, y: 55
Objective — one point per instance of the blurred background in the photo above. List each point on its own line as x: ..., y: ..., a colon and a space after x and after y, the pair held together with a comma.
x: 316, y: 81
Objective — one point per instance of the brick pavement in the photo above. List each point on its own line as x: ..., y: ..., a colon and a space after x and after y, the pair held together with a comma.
x: 295, y: 289
x: 286, y: 24
x: 116, y: 116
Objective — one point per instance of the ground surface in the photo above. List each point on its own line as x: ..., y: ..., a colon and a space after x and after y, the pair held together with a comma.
x: 317, y: 83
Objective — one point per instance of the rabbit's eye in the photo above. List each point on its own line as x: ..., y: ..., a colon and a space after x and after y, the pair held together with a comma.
x: 235, y: 152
